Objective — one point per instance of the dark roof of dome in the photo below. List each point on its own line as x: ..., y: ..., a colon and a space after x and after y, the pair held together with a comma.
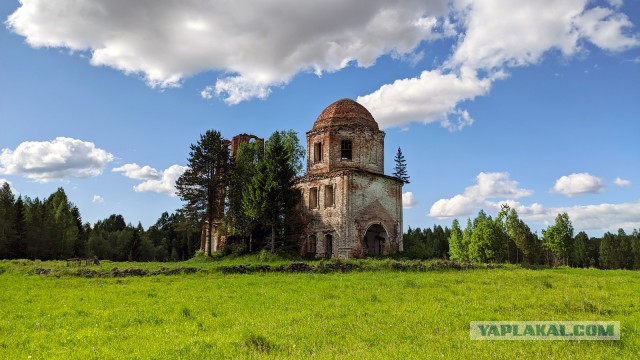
x: 345, y: 112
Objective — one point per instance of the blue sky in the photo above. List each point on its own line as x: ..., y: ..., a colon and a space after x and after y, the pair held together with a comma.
x: 533, y: 104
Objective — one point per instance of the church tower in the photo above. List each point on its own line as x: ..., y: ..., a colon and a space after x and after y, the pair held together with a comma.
x: 352, y: 208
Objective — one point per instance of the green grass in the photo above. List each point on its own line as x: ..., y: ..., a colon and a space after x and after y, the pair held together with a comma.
x: 366, y: 314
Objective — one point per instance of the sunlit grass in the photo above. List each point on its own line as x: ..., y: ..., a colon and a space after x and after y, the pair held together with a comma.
x: 370, y: 314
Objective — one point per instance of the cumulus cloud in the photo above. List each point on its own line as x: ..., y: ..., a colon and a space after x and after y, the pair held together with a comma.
x: 166, y: 184
x: 600, y: 217
x: 578, y: 183
x: 622, y: 182
x: 497, y: 35
x: 97, y: 199
x: 63, y: 157
x: 488, y: 186
x: 163, y: 182
x: 433, y: 96
x: 408, y: 201
x: 263, y: 44
x: 254, y: 46
x: 134, y: 171
x: 3, y: 180
x: 492, y: 190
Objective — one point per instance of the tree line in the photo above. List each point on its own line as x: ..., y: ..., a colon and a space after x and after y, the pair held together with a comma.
x: 507, y: 238
x: 52, y: 228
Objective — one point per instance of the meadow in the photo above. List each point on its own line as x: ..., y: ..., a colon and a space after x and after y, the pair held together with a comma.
x: 374, y: 312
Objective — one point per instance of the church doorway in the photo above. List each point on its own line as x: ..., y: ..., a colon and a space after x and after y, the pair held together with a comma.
x: 374, y: 240
x: 328, y: 246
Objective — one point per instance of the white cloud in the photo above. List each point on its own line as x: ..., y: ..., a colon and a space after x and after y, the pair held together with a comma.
x: 255, y: 45
x: 408, y: 201
x: 97, y: 199
x: 599, y: 217
x: 488, y: 186
x: 603, y: 27
x: 52, y: 160
x: 497, y: 35
x: 164, y: 182
x: 13, y: 190
x: 581, y: 183
x: 433, y: 96
x: 134, y: 171
x: 622, y: 182
x: 264, y: 44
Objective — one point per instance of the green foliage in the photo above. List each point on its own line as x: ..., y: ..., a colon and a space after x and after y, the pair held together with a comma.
x: 400, y: 170
x: 620, y: 251
x: 579, y: 254
x: 427, y: 243
x: 558, y: 238
x: 8, y: 233
x: 457, y: 248
x: 487, y: 240
x: 270, y: 197
x: 292, y: 146
x: 237, y: 221
x: 202, y: 185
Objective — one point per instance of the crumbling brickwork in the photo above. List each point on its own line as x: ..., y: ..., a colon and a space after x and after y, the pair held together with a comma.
x: 351, y: 207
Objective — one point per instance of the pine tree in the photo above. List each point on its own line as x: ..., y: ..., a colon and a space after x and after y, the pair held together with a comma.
x: 7, y: 216
x: 270, y: 196
x: 18, y: 248
x: 401, y: 167
x: 202, y: 185
x: 243, y: 168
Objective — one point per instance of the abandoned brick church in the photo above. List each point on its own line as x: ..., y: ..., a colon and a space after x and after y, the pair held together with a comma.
x: 352, y: 209
x: 349, y: 207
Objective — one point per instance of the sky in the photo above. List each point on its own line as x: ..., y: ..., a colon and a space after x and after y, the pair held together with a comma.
x: 531, y: 103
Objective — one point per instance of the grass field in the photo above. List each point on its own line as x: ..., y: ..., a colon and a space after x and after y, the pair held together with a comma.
x: 363, y: 314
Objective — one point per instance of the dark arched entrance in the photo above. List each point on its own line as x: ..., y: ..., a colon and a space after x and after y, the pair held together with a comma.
x: 328, y: 246
x: 375, y: 240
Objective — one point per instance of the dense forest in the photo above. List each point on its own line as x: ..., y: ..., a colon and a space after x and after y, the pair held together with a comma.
x: 52, y: 228
x: 507, y: 238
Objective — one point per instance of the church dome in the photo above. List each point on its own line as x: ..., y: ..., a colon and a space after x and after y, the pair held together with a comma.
x: 345, y: 112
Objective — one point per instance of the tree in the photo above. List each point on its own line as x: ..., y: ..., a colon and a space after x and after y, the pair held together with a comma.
x: 295, y: 150
x: 609, y: 258
x: 457, y: 249
x: 625, y: 250
x: 579, y: 255
x: 18, y: 249
x: 7, y: 222
x: 401, y: 167
x: 520, y: 234
x: 243, y: 168
x: 64, y: 232
x: 203, y: 184
x: 558, y: 238
x: 440, y: 243
x: 488, y: 239
x: 270, y: 196
x: 635, y: 248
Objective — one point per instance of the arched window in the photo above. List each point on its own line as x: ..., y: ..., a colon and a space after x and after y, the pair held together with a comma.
x: 317, y: 152
x: 345, y: 150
